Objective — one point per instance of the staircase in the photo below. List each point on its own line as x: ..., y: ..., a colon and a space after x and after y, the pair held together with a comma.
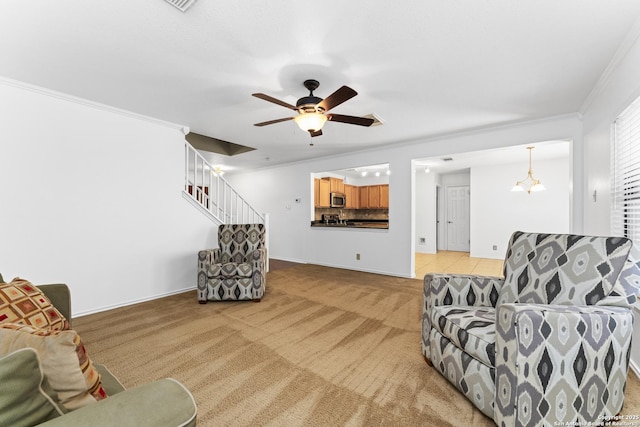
x: 208, y: 191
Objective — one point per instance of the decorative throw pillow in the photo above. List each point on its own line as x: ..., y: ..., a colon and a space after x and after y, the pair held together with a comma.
x: 21, y: 302
x: 26, y: 398
x: 64, y: 361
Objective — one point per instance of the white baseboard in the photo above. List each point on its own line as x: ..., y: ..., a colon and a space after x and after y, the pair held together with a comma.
x: 366, y: 270
x: 344, y: 267
x: 299, y: 261
x: 634, y: 363
x: 131, y: 302
x: 634, y: 368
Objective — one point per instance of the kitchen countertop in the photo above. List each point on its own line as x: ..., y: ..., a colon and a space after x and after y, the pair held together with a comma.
x: 378, y: 224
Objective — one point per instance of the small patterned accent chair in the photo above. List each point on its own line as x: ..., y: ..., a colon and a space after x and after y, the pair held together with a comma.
x: 547, y: 343
x: 237, y: 270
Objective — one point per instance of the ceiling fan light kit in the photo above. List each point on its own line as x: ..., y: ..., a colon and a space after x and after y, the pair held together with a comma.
x: 310, y: 122
x: 311, y: 109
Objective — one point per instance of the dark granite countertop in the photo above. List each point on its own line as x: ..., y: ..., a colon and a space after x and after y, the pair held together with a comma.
x: 353, y: 223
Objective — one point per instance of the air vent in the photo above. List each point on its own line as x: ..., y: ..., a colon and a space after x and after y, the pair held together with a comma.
x: 183, y: 5
x: 376, y: 120
x: 447, y: 159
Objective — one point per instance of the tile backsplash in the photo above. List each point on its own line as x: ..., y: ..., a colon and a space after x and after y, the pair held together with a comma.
x: 353, y: 213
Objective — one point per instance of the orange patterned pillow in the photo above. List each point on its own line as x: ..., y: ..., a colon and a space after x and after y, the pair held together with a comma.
x: 23, y: 303
x: 64, y: 361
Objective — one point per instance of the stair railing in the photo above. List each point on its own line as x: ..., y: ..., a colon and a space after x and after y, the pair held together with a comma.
x: 205, y: 187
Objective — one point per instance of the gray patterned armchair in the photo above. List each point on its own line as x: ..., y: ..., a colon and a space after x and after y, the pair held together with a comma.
x: 237, y: 270
x: 549, y: 342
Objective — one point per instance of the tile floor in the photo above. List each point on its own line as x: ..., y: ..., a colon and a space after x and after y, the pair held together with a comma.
x: 456, y: 262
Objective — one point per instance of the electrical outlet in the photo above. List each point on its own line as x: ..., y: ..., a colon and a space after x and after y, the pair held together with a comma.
x: 358, y: 257
x: 423, y: 240
x: 495, y: 247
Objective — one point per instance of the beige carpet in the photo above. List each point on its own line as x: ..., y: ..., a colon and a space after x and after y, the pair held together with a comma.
x: 325, y: 347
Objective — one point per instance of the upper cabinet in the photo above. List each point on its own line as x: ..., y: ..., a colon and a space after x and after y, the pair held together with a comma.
x: 337, y: 185
x: 363, y: 193
x: 365, y: 197
x: 372, y: 196
x: 352, y: 196
x: 384, y: 195
x: 321, y: 193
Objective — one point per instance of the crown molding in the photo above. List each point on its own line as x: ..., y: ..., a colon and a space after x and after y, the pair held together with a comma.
x: 88, y: 103
x: 622, y: 51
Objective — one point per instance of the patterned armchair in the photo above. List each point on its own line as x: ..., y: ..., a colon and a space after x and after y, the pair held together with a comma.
x: 549, y: 342
x: 237, y: 270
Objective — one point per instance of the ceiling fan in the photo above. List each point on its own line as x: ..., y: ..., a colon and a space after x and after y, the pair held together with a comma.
x: 313, y: 111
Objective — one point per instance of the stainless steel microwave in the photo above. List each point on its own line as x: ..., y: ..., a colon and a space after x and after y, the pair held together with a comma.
x: 337, y: 200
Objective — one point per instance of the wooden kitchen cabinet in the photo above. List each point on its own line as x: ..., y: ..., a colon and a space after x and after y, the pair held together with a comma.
x: 384, y: 195
x: 364, y: 197
x: 324, y: 193
x: 374, y: 196
x: 336, y: 185
x: 352, y: 195
x: 356, y: 197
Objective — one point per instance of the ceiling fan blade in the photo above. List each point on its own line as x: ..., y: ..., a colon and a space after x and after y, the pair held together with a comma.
x: 352, y: 120
x: 274, y: 100
x: 338, y: 97
x: 315, y: 133
x: 270, y: 122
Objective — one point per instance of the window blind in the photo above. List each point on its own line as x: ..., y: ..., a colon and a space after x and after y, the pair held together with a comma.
x: 625, y: 167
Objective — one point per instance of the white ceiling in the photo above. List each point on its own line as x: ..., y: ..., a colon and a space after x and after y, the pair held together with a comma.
x: 424, y: 67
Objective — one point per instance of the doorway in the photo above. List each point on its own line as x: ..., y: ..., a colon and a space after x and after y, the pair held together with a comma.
x: 491, y: 173
x: 458, y: 219
x: 453, y: 203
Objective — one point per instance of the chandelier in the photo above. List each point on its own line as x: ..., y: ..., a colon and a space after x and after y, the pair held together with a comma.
x: 529, y: 184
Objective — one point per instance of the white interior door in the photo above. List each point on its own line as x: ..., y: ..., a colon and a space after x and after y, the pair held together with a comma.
x: 458, y: 218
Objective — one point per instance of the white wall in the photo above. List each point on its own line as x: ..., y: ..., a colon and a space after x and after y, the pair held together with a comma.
x: 618, y: 88
x: 292, y: 238
x: 382, y: 251
x: 615, y: 91
x: 496, y: 212
x: 92, y: 198
x: 425, y: 211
